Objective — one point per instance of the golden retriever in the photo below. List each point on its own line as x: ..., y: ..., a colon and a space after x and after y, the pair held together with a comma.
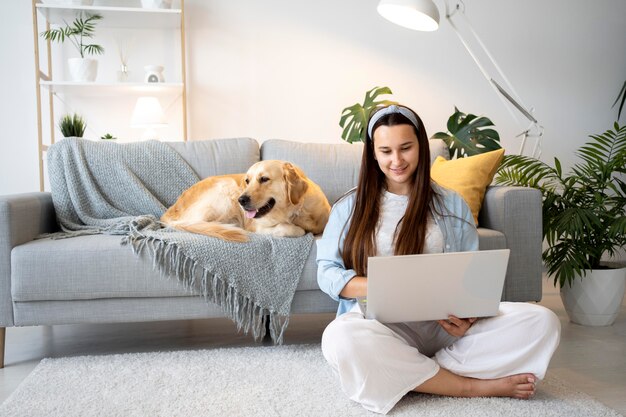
x: 273, y: 197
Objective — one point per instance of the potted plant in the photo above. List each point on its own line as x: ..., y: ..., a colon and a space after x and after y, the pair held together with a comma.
x: 468, y: 134
x: 72, y: 126
x: 584, y: 218
x: 81, y: 69
x: 354, y: 118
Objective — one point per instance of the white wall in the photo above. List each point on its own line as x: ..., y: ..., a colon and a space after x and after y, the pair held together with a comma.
x: 285, y: 69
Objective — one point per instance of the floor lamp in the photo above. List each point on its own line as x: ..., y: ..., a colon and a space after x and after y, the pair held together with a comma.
x: 423, y: 15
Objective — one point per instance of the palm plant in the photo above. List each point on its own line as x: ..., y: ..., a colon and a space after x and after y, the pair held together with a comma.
x: 78, y: 32
x: 584, y: 214
x: 354, y: 118
x: 469, y: 135
x: 72, y: 126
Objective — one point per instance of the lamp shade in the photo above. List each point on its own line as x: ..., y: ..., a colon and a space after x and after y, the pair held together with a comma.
x: 412, y: 14
x: 147, y: 113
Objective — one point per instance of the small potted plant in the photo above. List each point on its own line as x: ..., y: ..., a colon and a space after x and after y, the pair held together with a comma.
x: 78, y: 32
x: 72, y: 126
x: 584, y: 218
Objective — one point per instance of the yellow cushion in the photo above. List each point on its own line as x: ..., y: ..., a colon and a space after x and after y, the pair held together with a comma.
x: 468, y: 176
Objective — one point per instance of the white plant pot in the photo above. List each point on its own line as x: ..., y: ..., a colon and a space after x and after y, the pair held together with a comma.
x: 156, y: 4
x: 595, y: 300
x: 83, y: 69
x: 70, y: 2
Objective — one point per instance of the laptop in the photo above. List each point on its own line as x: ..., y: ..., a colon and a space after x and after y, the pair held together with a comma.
x: 433, y: 286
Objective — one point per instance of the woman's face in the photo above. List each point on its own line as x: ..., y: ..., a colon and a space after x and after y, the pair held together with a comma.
x: 397, y: 150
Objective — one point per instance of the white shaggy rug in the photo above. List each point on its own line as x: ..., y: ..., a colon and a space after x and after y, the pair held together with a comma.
x: 256, y: 381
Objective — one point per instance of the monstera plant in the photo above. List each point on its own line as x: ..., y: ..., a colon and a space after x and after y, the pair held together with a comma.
x: 354, y: 118
x: 469, y: 135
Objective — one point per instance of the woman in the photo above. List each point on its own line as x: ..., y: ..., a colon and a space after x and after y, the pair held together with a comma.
x: 397, y: 210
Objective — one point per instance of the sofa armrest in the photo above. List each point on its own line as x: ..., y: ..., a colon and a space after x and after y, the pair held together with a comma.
x: 516, y: 212
x: 22, y: 218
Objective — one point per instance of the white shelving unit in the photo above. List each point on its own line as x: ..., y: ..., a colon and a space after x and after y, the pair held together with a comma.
x: 136, y: 18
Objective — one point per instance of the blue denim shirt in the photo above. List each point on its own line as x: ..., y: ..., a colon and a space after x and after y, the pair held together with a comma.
x: 451, y: 213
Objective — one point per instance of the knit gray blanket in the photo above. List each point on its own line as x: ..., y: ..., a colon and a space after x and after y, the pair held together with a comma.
x: 105, y: 187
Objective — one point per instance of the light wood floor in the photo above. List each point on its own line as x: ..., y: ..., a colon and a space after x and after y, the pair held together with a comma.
x: 592, y: 359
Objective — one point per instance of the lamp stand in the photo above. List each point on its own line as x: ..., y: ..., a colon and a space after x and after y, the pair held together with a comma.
x: 534, y: 129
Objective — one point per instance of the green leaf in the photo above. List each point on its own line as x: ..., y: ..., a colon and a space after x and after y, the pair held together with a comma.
x: 354, y: 118
x: 469, y: 135
x: 81, y: 28
x: 622, y: 95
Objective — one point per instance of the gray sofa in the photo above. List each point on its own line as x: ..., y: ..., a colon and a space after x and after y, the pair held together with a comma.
x: 92, y: 279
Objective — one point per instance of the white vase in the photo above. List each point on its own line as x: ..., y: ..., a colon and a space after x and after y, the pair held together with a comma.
x: 83, y: 69
x: 595, y: 300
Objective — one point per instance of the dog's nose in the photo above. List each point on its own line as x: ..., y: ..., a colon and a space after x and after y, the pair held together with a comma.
x: 244, y: 200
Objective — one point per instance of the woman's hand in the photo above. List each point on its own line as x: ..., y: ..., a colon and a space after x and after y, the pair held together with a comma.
x: 455, y: 326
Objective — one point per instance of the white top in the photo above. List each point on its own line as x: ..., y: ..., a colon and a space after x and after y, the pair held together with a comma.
x: 393, y: 207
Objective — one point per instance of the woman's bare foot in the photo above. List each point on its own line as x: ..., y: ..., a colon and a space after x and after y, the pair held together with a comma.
x: 444, y: 382
x: 520, y: 386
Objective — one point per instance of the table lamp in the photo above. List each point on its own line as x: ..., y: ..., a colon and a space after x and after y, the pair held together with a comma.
x: 148, y: 115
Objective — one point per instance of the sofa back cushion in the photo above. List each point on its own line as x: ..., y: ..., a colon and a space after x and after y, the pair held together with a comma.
x: 334, y: 167
x: 219, y: 156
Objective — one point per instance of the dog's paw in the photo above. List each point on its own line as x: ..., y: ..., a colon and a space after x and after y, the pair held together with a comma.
x: 286, y: 230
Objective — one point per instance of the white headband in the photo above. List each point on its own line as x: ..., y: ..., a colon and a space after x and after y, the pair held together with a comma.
x: 389, y: 110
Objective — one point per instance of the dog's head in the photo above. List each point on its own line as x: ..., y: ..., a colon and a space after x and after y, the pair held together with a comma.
x: 272, y: 186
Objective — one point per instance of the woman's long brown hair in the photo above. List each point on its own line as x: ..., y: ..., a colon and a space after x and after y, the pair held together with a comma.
x: 360, y: 241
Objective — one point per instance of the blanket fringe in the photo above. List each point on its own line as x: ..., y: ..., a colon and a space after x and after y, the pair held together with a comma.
x: 170, y: 261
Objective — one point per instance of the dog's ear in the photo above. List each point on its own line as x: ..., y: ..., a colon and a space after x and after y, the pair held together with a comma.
x: 294, y: 180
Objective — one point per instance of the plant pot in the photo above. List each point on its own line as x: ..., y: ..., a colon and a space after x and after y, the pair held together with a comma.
x: 83, y: 69
x: 596, y: 299
x: 156, y: 4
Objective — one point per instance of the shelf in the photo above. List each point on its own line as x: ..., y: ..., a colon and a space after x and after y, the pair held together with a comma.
x: 115, y: 17
x: 112, y: 89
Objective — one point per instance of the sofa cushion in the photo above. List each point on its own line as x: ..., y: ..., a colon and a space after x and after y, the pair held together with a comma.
x: 98, y: 267
x: 468, y: 176
x: 338, y: 170
x: 85, y: 267
x: 219, y: 156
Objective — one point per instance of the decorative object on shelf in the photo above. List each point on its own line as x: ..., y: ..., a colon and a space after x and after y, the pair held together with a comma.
x: 154, y: 74
x: 123, y: 74
x: 107, y: 136
x: 72, y: 126
x: 468, y: 135
x: 156, y: 4
x: 423, y: 15
x: 583, y: 219
x: 148, y: 115
x: 82, y: 28
x: 354, y: 118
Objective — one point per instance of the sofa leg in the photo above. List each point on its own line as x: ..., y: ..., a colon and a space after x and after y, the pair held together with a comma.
x: 267, y: 328
x: 2, y: 336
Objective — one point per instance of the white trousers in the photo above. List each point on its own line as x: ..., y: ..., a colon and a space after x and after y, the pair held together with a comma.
x: 378, y: 364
